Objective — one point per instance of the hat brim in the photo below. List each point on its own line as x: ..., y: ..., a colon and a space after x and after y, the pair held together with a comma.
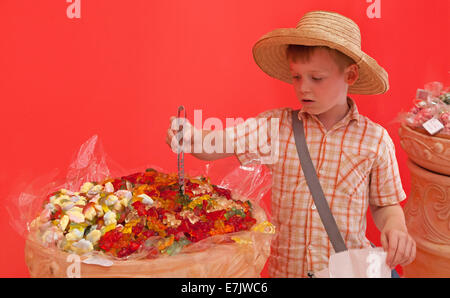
x: 270, y: 55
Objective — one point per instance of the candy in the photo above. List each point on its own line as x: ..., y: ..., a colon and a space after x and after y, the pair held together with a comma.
x: 124, y: 202
x: 119, y: 215
x: 129, y: 225
x: 94, y: 236
x: 95, y: 190
x: 75, y: 215
x: 90, y: 213
x: 146, y: 199
x: 67, y: 206
x: 51, y: 236
x: 445, y: 98
x: 86, y: 187
x: 99, y: 210
x: 445, y: 117
x: 422, y: 94
x: 430, y: 103
x: 241, y: 240
x: 264, y: 227
x: 74, y: 235
x: 64, y: 222
x: 110, y: 218
x: 108, y: 228
x: 109, y: 187
x: 171, y: 221
x: 111, y: 200
x: 118, y: 206
x: 82, y: 246
x: 124, y: 194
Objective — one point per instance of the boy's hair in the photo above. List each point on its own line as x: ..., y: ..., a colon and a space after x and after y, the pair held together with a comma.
x: 303, y: 53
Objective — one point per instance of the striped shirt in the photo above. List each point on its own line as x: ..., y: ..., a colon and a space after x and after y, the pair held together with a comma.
x: 356, y: 165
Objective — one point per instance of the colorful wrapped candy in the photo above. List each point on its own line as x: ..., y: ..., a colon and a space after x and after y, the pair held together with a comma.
x: 143, y: 212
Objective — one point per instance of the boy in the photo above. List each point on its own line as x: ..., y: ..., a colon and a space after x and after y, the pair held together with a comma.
x: 354, y: 157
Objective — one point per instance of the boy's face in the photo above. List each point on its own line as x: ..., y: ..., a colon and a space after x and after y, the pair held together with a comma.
x: 319, y: 83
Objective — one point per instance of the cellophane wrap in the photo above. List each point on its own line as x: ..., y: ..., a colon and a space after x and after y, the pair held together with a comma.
x: 237, y: 254
x: 430, y: 102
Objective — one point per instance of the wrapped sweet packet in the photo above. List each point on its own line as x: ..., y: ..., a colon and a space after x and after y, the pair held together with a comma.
x: 431, y: 110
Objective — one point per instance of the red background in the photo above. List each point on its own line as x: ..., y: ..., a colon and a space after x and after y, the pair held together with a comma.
x: 122, y: 69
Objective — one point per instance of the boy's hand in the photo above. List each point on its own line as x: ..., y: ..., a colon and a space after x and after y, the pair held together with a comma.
x: 399, y: 245
x: 192, y: 135
x: 174, y: 138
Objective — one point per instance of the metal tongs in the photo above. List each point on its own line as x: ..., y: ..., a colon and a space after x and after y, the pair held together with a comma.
x: 180, y: 158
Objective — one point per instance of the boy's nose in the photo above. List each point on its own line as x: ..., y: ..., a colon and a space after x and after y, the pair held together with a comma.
x: 302, y: 86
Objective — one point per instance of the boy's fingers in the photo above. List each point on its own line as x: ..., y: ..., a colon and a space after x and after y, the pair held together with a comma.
x: 173, y: 137
x: 392, y: 240
x: 184, y: 125
x: 384, y: 242
x: 400, y: 251
x: 170, y: 133
x: 173, y: 123
x: 178, y: 142
x: 410, y: 252
x: 171, y: 140
x: 169, y: 137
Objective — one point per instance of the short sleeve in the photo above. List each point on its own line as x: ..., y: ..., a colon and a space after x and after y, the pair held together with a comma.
x: 385, y: 182
x: 256, y: 140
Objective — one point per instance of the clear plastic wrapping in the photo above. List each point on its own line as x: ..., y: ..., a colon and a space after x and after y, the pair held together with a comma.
x: 75, y: 222
x: 432, y: 103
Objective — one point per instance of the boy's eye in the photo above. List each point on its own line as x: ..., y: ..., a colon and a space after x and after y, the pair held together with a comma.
x: 317, y: 79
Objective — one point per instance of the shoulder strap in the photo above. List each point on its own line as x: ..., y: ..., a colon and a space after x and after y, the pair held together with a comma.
x: 314, y: 186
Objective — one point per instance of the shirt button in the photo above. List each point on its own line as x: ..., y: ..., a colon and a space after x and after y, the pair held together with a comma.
x: 313, y: 207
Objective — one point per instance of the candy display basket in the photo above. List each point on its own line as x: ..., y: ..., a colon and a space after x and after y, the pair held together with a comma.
x: 97, y: 222
x: 245, y: 258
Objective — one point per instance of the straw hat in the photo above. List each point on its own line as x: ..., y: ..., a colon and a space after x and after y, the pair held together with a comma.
x: 321, y: 28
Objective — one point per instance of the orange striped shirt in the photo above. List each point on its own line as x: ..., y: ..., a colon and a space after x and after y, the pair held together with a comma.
x: 356, y: 165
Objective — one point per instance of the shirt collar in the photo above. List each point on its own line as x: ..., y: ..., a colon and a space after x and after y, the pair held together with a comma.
x: 352, y: 114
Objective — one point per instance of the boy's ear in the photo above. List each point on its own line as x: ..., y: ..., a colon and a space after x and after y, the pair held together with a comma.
x: 351, y: 74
